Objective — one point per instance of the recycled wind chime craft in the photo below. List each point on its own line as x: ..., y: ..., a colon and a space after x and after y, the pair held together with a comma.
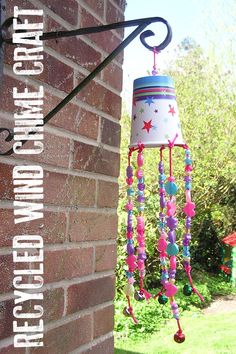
x: 156, y: 124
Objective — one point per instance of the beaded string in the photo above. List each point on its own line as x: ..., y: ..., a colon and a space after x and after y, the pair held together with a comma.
x: 162, y: 243
x: 189, y: 210
x: 141, y: 251
x: 131, y: 259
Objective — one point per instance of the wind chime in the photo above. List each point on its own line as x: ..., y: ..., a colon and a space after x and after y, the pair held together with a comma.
x: 156, y: 124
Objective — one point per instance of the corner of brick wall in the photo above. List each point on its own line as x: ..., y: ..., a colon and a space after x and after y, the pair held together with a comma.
x: 81, y: 167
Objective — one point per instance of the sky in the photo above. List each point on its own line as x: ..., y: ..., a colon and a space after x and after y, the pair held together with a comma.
x: 187, y: 18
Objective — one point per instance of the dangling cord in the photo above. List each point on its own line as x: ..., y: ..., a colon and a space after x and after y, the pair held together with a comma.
x: 162, y: 243
x: 172, y: 248
x: 189, y: 210
x: 131, y: 260
x: 141, y: 226
x: 155, y: 52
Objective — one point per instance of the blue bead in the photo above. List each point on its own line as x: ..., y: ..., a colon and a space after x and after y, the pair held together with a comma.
x: 188, y: 185
x: 187, y: 152
x: 172, y: 249
x: 130, y: 212
x: 162, y: 224
x: 141, y: 193
x: 130, y: 241
x: 171, y: 188
x: 129, y: 274
x: 176, y: 316
x: 141, y: 180
x: 141, y: 208
x: 130, y: 191
x: 188, y: 161
x: 162, y: 177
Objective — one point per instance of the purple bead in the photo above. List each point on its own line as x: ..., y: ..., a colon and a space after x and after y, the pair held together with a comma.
x: 161, y: 215
x: 130, y: 249
x: 142, y: 256
x: 188, y: 222
x: 187, y: 179
x: 185, y: 242
x: 129, y: 228
x: 141, y: 186
x: 174, y: 307
x: 141, y: 199
x: 162, y: 201
x: 129, y: 171
x: 172, y: 222
x: 172, y: 236
x: 161, y: 167
x: 172, y: 273
x: 186, y: 264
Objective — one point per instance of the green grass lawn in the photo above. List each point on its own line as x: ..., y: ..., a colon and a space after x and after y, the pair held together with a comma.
x: 205, y: 334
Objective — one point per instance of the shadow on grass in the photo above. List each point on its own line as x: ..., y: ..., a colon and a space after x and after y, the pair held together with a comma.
x: 124, y: 351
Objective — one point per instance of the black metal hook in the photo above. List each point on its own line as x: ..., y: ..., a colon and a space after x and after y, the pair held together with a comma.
x: 150, y: 33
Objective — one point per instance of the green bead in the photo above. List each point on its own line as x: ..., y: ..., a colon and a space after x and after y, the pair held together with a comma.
x: 162, y: 299
x: 172, y: 249
x: 187, y: 290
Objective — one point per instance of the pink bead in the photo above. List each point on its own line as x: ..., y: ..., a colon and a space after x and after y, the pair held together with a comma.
x: 140, y: 228
x: 141, y: 250
x: 188, y: 168
x: 188, y: 195
x: 189, y: 209
x: 129, y: 181
x: 171, y: 289
x: 131, y: 280
x: 163, y: 254
x: 161, y: 190
x: 140, y: 160
x: 129, y: 206
x: 163, y: 235
x: 172, y: 262
x: 162, y: 245
x: 140, y: 220
x: 139, y: 174
x: 142, y: 244
x: 171, y: 179
x: 171, y: 208
x: 141, y: 265
x: 129, y: 234
x: 140, y: 239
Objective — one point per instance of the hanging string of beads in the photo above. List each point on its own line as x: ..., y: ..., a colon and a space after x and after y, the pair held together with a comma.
x: 162, y: 243
x: 189, y: 210
x: 141, y: 251
x: 131, y: 259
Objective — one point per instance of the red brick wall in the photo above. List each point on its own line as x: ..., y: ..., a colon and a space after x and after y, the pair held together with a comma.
x: 81, y: 166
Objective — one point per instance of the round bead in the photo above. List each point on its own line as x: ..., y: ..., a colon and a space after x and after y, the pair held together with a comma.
x: 171, y: 237
x: 172, y: 222
x: 130, y: 248
x: 172, y: 249
x: 162, y: 299
x: 171, y: 188
x: 162, y: 244
x: 187, y: 290
x: 129, y: 290
x: 161, y: 167
x: 179, y: 337
x: 139, y: 174
x: 139, y: 296
x: 126, y: 312
x: 130, y: 192
x: 129, y: 171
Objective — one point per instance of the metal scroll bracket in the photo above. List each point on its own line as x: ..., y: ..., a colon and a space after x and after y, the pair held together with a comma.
x: 141, y: 25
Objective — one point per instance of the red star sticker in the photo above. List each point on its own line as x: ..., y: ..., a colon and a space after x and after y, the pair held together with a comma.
x: 172, y: 110
x: 147, y: 125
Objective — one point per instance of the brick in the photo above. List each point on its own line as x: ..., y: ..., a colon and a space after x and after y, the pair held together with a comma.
x: 56, y: 74
x: 67, y: 264
x: 68, y: 190
x: 53, y: 305
x: 100, y: 39
x: 99, y: 97
x: 6, y: 185
x: 108, y: 194
x: 72, y: 118
x: 94, y: 159
x: 52, y: 227
x: 85, y: 226
x: 103, y: 321
x: 68, y: 11
x: 105, y: 257
x: 6, y: 99
x: 73, y: 48
x: 110, y: 133
x: 91, y: 293
x: 63, y: 339
x: 112, y: 74
x: 104, y: 347
x: 6, y: 272
x: 97, y: 6
x: 11, y: 350
x: 113, y: 14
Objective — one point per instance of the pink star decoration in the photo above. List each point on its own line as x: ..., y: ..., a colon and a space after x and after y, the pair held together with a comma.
x: 172, y: 110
